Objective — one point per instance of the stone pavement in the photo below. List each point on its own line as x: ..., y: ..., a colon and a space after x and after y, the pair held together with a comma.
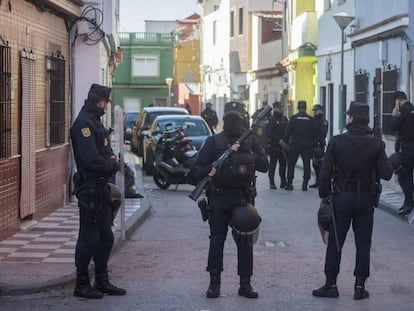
x: 42, y: 256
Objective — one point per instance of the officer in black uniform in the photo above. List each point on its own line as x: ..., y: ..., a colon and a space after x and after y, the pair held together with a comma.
x: 403, y: 124
x: 353, y: 162
x: 96, y: 163
x: 225, y: 193
x: 275, y: 131
x: 319, y: 149
x: 300, y: 134
x: 260, y: 128
x: 210, y: 116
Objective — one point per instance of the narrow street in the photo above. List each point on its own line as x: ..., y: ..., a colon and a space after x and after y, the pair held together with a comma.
x: 163, y: 264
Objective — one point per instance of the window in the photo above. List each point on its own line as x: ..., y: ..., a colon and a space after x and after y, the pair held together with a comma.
x: 232, y: 24
x: 145, y: 66
x: 361, y: 87
x: 56, y: 99
x: 5, y: 102
x: 240, y: 21
x: 214, y: 32
x: 389, y: 87
x: 327, y: 5
x: 341, y: 2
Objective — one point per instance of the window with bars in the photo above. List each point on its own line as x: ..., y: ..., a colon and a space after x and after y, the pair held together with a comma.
x: 361, y: 87
x: 5, y: 101
x: 56, y: 66
x: 389, y: 87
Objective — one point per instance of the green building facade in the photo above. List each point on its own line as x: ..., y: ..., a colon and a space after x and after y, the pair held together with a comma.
x: 140, y: 79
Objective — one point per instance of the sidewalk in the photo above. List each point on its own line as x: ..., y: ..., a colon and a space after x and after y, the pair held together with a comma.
x: 42, y: 256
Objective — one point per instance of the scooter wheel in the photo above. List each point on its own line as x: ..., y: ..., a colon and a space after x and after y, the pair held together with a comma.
x: 160, y: 181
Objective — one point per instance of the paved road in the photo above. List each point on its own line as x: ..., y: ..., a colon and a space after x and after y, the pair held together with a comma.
x: 163, y: 264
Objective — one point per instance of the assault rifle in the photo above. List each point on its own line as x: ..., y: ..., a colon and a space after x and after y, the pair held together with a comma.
x: 198, y: 190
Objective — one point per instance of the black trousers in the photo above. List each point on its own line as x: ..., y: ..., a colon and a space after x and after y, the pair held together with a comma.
x: 304, y: 149
x: 220, y: 216
x: 316, y: 164
x: 356, y: 209
x: 405, y: 179
x: 275, y: 156
x: 95, y: 240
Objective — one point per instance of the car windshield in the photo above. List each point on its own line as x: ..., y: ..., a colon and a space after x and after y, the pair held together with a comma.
x: 154, y: 114
x: 191, y: 127
x: 130, y: 117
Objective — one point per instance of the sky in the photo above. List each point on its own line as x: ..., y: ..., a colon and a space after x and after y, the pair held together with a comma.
x: 134, y: 12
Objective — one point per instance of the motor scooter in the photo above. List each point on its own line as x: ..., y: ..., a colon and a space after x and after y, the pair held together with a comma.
x: 174, y: 158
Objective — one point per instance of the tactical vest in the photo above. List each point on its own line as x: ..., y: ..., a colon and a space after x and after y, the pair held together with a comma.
x: 238, y: 170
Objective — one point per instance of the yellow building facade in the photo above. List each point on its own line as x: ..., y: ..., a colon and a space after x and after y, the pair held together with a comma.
x: 302, y: 68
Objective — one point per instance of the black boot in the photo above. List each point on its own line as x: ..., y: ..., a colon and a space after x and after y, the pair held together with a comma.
x: 314, y: 185
x: 289, y: 186
x: 329, y: 290
x: 213, y: 290
x: 282, y: 182
x: 131, y: 193
x: 305, y: 185
x: 102, y: 284
x: 246, y: 288
x: 407, y: 208
x: 360, y: 291
x: 83, y: 288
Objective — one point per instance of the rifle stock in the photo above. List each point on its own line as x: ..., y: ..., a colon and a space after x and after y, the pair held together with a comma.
x: 198, y: 190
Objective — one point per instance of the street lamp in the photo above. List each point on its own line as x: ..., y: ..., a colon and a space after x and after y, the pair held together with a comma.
x: 169, y: 83
x: 343, y: 20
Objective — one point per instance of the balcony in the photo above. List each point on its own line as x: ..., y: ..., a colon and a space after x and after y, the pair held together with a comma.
x: 304, y: 30
x: 145, y: 38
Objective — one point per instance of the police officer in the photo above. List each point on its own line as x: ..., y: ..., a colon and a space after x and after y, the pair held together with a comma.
x: 227, y: 192
x: 351, y: 161
x: 210, y: 116
x: 260, y: 128
x: 319, y: 149
x: 300, y: 134
x: 403, y: 124
x: 96, y: 163
x: 275, y: 131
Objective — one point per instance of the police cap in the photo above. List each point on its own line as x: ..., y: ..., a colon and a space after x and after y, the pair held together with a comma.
x: 317, y: 107
x: 101, y: 91
x: 357, y: 108
x: 400, y: 95
x: 234, y: 107
x: 302, y: 104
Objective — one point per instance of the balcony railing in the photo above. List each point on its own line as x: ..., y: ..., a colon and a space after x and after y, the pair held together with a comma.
x: 304, y: 30
x: 145, y: 38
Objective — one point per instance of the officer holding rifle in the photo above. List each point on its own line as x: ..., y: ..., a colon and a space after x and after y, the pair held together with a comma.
x: 230, y: 192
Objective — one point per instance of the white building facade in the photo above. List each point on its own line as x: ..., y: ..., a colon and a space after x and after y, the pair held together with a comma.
x: 95, y: 50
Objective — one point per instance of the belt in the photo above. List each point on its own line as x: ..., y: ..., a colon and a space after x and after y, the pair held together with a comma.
x: 213, y: 189
x: 353, y: 187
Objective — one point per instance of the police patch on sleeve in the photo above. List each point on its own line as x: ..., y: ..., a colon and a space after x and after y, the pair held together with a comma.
x: 86, y: 132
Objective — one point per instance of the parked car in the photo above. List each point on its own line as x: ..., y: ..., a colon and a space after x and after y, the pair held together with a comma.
x: 129, y: 121
x: 144, y: 121
x: 194, y: 128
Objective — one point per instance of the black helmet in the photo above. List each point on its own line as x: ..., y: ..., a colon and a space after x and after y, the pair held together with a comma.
x: 245, y: 219
x: 116, y: 199
x: 324, y: 215
x: 245, y: 223
x: 395, y: 159
x: 324, y: 219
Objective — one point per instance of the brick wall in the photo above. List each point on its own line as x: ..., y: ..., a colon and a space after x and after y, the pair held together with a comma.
x: 25, y: 27
x: 9, y: 197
